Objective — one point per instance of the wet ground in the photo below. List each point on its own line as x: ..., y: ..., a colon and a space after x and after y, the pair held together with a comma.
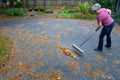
x: 36, y: 57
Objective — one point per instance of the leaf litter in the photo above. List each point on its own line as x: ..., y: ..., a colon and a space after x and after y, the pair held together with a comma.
x: 63, y: 49
x: 67, y: 52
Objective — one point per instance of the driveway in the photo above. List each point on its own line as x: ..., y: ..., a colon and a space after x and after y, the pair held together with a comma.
x: 35, y: 55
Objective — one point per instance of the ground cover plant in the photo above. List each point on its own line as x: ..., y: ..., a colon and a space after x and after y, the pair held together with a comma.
x: 16, y: 12
x: 82, y: 12
x: 5, y: 47
x: 116, y: 16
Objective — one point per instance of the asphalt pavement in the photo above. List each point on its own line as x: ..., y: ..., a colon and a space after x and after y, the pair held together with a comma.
x: 36, y: 57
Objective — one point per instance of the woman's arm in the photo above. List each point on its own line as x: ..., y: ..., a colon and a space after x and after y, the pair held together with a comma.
x: 109, y: 11
x: 99, y: 26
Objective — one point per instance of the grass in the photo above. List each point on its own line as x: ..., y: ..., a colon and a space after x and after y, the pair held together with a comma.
x: 76, y: 14
x: 17, y: 12
x: 3, y: 11
x: 68, y: 12
x: 14, y: 11
x: 65, y: 12
x: 5, y: 47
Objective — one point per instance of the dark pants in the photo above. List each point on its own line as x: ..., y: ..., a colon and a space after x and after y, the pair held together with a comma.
x: 105, y: 31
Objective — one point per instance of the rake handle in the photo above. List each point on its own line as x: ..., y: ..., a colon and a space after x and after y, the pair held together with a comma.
x: 87, y: 39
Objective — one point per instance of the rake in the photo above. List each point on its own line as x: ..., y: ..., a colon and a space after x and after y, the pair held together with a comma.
x: 78, y: 48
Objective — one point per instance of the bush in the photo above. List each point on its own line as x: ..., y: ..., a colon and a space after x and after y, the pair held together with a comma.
x: 106, y: 3
x: 41, y: 8
x: 85, y: 7
x: 3, y: 11
x: 17, y: 12
x: 83, y: 11
x: 116, y: 17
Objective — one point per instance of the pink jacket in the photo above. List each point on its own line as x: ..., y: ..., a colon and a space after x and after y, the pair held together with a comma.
x: 104, y: 17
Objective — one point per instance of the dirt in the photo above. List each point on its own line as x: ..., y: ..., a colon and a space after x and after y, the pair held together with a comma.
x: 117, y: 29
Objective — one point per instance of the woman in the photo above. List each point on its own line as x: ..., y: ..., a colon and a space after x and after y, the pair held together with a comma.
x: 104, y: 20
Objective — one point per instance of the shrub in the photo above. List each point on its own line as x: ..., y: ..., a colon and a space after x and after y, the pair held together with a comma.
x: 106, y: 3
x: 40, y: 8
x: 116, y: 16
x: 83, y: 11
x: 16, y: 12
x: 3, y: 11
x: 85, y: 7
x: 69, y: 13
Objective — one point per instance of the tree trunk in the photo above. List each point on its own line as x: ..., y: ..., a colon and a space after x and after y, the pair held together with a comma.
x: 11, y: 3
x: 4, y: 3
x: 117, y: 5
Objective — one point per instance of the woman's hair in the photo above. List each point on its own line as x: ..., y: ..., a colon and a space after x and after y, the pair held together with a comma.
x: 96, y: 6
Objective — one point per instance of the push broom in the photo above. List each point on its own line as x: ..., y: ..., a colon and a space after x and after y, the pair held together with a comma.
x: 77, y: 48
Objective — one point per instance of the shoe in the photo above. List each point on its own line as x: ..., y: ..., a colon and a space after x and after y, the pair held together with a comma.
x: 107, y: 46
x: 97, y: 49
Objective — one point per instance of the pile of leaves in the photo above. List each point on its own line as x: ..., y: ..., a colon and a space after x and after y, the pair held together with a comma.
x: 67, y: 51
